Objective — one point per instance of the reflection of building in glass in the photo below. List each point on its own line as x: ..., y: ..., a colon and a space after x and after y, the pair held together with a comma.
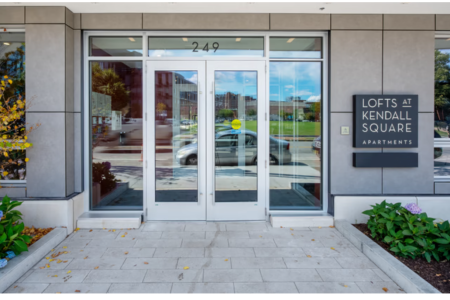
x: 175, y: 101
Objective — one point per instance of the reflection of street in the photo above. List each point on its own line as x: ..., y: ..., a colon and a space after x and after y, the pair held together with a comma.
x: 442, y: 163
x: 127, y: 167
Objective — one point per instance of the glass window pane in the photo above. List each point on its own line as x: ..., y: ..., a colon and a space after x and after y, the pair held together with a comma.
x: 442, y: 89
x: 295, y: 140
x: 115, y: 46
x: 116, y: 111
x: 176, y: 171
x: 236, y: 134
x: 205, y: 46
x: 442, y: 161
x: 295, y: 47
x: 12, y: 64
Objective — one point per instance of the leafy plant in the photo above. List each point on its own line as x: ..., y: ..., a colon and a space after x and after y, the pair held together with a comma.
x: 101, y: 174
x: 408, y: 231
x: 11, y: 237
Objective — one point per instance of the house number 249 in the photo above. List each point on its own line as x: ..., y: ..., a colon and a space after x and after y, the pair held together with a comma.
x: 215, y: 45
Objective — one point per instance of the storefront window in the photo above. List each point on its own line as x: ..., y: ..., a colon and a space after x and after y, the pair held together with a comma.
x: 295, y: 47
x: 192, y: 46
x: 295, y: 135
x: 116, y: 128
x: 12, y: 65
x: 115, y: 46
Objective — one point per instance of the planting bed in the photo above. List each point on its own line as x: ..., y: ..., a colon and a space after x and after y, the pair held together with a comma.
x: 435, y: 273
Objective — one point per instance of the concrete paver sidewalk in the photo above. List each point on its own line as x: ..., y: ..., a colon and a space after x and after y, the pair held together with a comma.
x: 206, y: 257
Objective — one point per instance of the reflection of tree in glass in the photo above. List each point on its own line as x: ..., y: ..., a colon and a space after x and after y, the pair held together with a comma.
x: 225, y: 113
x: 107, y: 82
x: 441, y: 86
x: 252, y: 112
x: 12, y: 64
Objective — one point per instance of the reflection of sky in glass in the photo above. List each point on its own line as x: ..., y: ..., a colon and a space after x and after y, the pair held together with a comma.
x: 189, y: 76
x: 301, y: 80
x: 236, y: 82
x: 295, y: 54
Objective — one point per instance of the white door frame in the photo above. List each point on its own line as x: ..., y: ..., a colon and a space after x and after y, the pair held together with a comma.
x: 176, y: 210
x: 228, y: 211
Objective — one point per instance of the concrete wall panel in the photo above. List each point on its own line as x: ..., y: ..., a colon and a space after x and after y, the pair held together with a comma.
x: 13, y: 192
x: 78, y: 156
x: 46, y: 170
x: 111, y: 21
x: 299, y: 22
x: 435, y: 207
x: 350, y: 208
x: 45, y: 67
x: 408, y: 65
x: 12, y: 15
x: 76, y: 21
x: 77, y: 77
x: 442, y: 22
x: 69, y: 105
x: 189, y: 21
x: 442, y: 188
x: 356, y: 66
x: 69, y: 18
x: 45, y: 15
x: 345, y: 179
x: 409, y: 22
x: 70, y: 154
x: 354, y: 21
x: 410, y: 181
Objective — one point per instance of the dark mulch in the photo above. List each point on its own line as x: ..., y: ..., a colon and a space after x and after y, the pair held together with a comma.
x: 436, y: 273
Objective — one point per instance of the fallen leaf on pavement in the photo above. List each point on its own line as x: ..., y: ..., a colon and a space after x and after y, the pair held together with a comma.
x: 51, y: 260
x: 65, y: 247
x: 65, y: 252
x: 15, y: 286
x: 55, y: 276
x: 320, y: 227
x: 226, y: 259
x: 145, y: 263
x: 41, y: 268
x: 77, y: 291
x: 385, y: 289
x: 90, y: 230
x: 331, y: 226
x: 313, y: 240
x: 52, y: 250
x: 47, y: 257
x: 126, y: 253
x: 186, y: 268
x: 345, y: 285
x: 308, y: 256
x: 123, y: 235
x: 291, y: 229
x: 95, y: 268
x: 65, y: 261
x: 85, y: 257
x: 68, y: 272
x: 47, y: 265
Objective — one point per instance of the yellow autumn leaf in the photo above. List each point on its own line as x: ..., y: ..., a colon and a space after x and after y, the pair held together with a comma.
x: 320, y: 227
x: 47, y: 257
x: 345, y: 285
x: 41, y: 268
x: 64, y: 247
x: 51, y: 260
x: 65, y: 252
x: 308, y: 256
x: 47, y: 265
x: 145, y: 263
x: 52, y: 250
x: 385, y: 289
x: 5, y: 137
x: 5, y: 173
x: 313, y: 240
x: 331, y: 226
x: 226, y: 259
x: 55, y: 276
x: 95, y: 268
x: 186, y: 268
x: 114, y: 230
x: 68, y: 272
x: 291, y: 229
x: 10, y: 81
x: 6, y: 77
x: 123, y: 236
x: 126, y: 253
x: 332, y: 248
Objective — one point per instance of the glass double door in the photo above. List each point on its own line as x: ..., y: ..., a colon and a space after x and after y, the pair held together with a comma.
x: 205, y: 136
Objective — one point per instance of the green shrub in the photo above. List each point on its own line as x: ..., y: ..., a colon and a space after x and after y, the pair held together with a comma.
x: 409, y: 234
x: 11, y: 237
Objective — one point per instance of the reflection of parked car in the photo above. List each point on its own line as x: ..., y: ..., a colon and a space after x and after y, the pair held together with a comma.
x: 437, y: 151
x: 228, y: 146
x: 317, y: 145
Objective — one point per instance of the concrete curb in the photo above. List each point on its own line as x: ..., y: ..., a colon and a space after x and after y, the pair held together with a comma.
x: 26, y: 260
x: 407, y: 279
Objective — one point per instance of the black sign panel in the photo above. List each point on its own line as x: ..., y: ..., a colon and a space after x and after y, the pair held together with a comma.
x: 385, y: 121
